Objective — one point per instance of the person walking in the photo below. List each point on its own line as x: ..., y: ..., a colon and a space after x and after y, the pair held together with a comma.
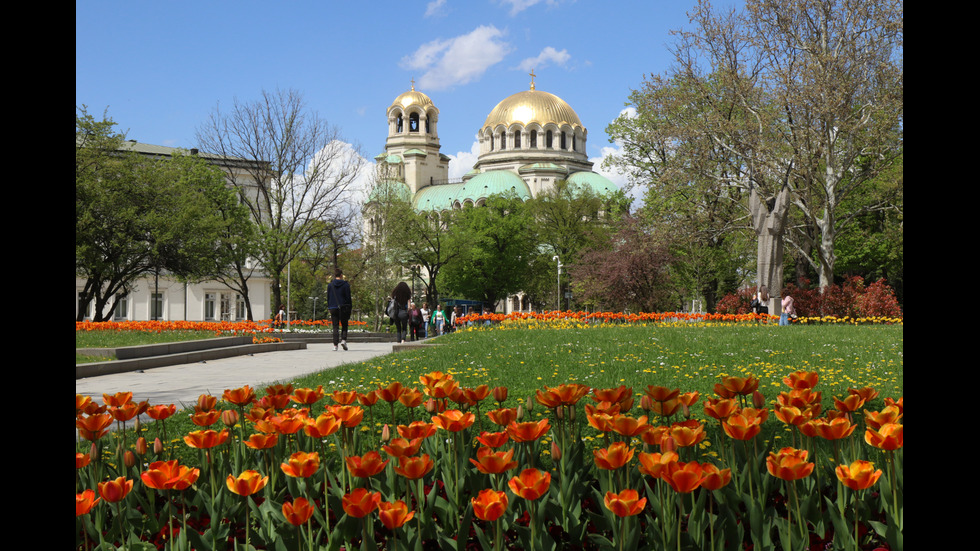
x: 339, y: 303
x: 788, y: 310
x: 425, y: 320
x: 401, y: 295
x: 440, y: 319
x: 414, y: 322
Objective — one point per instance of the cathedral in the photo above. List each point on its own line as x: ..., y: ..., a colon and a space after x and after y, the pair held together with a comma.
x: 528, y: 141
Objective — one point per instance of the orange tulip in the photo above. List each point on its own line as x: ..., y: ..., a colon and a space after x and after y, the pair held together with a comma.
x: 368, y: 399
x: 307, y: 396
x: 349, y: 416
x: 489, y: 505
x: 662, y: 393
x: 410, y: 398
x: 489, y: 461
x: 161, y: 412
x: 654, y: 464
x: 850, y: 403
x: 453, y: 420
x: 834, y: 429
x: 789, y: 464
x: 414, y: 468
x: 493, y: 439
x: 477, y: 394
x: 666, y: 409
x: 302, y: 464
x: 802, y: 398
x: 867, y: 393
x: 684, y: 478
x: 434, y: 377
x: 791, y: 415
x: 740, y: 427
x: 118, y: 399
x: 875, y: 419
x: 403, y: 447
x: 714, y: 478
x: 168, y: 475
x: 361, y: 502
x: 298, y: 512
x: 206, y: 439
x: 394, y: 514
x: 528, y: 432
x: 626, y: 503
x: 240, y: 396
x: 367, y: 465
x: 93, y: 426
x: 247, y: 483
x: 801, y: 379
x: 889, y: 437
x: 82, y: 459
x: 569, y: 393
x: 613, y: 457
x: 741, y: 386
x: 503, y: 416
x: 262, y: 441
x: 602, y: 422
x: 628, y: 426
x: 344, y: 397
x: 279, y: 390
x: 500, y: 394
x: 657, y: 435
x: 688, y: 433
x: 116, y: 490
x: 548, y: 399
x: 323, y: 426
x: 391, y: 393
x: 530, y: 484
x: 859, y: 475
x: 612, y: 395
x: 206, y: 418
x: 85, y: 501
x: 417, y: 429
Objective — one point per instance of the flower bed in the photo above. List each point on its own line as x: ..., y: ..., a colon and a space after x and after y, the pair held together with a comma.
x: 464, y: 467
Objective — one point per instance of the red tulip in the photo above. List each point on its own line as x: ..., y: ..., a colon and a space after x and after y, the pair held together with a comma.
x: 489, y: 461
x: 298, y: 512
x: 168, y: 475
x: 613, y: 457
x: 859, y: 475
x: 367, y: 465
x: 890, y: 437
x: 116, y: 490
x: 530, y: 484
x: 626, y: 503
x: 85, y: 501
x: 789, y: 464
x: 302, y: 464
x: 414, y: 468
x: 361, y: 502
x: 394, y: 514
x: 489, y: 505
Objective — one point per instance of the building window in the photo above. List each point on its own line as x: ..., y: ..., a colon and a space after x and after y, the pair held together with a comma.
x: 549, y: 140
x: 503, y: 140
x: 156, y: 306
x: 491, y: 142
x: 534, y: 139
x: 122, y: 309
x: 84, y: 306
x: 517, y: 139
x: 400, y: 124
x: 210, y: 305
x: 563, y: 143
x: 239, y: 307
x: 413, y: 122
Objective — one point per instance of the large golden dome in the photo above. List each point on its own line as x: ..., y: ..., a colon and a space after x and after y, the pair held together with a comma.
x: 532, y: 106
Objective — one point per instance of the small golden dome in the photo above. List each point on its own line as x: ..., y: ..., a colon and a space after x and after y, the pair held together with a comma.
x: 412, y: 97
x: 532, y: 106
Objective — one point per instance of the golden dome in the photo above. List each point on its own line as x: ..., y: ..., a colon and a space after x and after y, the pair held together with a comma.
x: 532, y: 106
x: 412, y: 97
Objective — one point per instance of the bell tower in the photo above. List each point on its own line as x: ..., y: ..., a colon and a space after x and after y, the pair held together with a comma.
x: 412, y: 148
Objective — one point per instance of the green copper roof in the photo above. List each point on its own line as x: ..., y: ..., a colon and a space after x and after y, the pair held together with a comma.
x: 600, y: 184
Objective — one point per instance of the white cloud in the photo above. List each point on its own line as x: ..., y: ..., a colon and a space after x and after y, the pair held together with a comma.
x: 517, y: 6
x: 463, y: 161
x: 458, y: 60
x: 434, y: 8
x: 547, y: 56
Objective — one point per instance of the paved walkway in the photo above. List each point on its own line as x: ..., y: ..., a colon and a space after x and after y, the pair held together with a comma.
x: 182, y: 384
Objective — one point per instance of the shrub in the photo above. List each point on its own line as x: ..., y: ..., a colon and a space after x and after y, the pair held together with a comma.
x: 849, y: 299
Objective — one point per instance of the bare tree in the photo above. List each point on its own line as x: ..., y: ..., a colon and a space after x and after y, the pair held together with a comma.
x: 821, y: 86
x: 304, y: 173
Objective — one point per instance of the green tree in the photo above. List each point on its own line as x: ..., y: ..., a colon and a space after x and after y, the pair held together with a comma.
x: 137, y: 215
x: 501, y: 242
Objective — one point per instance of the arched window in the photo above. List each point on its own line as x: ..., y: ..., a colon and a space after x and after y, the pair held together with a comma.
x: 413, y: 122
x: 400, y: 124
x: 491, y: 142
x: 503, y: 140
x: 548, y: 140
x: 517, y: 139
x: 563, y: 143
x: 534, y: 139
x: 573, y: 143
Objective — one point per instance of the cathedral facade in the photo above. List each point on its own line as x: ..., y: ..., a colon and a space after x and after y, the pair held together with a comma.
x: 528, y: 141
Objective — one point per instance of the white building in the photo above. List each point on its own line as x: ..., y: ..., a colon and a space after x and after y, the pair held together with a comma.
x: 164, y: 298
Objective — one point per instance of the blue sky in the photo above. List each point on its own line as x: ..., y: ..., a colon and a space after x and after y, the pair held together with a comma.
x: 160, y: 68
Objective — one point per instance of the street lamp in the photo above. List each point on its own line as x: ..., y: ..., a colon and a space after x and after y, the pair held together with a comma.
x: 314, y: 306
x: 558, y: 301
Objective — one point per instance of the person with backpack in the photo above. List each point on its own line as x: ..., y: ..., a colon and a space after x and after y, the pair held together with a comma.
x: 401, y: 295
x: 339, y: 303
x: 414, y: 322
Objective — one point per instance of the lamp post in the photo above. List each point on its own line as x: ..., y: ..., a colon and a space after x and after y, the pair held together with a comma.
x: 314, y: 306
x: 558, y: 301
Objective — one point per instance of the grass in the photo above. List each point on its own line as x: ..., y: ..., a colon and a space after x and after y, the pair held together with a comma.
x: 686, y: 356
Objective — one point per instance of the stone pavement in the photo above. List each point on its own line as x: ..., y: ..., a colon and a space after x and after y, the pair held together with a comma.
x: 182, y: 384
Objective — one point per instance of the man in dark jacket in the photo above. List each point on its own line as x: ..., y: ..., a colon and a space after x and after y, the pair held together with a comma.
x: 339, y: 303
